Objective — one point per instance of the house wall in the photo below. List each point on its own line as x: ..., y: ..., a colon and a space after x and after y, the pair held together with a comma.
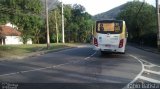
x: 14, y: 40
x: 11, y: 25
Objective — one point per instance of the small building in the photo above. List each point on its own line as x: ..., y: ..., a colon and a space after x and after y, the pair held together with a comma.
x: 9, y: 36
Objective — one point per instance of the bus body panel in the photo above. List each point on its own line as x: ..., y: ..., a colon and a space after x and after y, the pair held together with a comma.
x: 110, y: 45
x: 108, y: 39
x: 111, y: 42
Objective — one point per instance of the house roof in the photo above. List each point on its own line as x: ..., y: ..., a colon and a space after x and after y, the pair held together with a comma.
x: 8, y: 31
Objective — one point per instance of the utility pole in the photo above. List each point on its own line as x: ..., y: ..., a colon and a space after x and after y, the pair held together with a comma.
x: 57, y: 32
x: 47, y: 25
x: 63, y: 40
x: 158, y: 24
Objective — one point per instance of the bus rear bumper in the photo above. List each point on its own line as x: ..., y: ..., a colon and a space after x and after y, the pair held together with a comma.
x: 116, y: 50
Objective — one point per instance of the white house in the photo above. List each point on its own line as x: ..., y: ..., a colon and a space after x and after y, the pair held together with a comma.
x: 11, y: 25
x: 9, y: 35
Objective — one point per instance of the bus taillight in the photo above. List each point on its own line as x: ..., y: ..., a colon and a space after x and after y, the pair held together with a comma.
x: 121, y: 43
x: 95, y: 42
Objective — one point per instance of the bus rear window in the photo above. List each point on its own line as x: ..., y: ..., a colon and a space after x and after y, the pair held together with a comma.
x: 110, y: 27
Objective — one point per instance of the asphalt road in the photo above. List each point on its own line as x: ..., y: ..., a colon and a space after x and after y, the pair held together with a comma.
x: 82, y: 68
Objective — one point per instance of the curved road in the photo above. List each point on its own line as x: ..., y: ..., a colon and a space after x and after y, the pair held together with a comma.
x: 80, y: 68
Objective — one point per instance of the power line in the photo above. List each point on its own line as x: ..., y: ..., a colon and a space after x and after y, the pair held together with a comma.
x: 139, y: 9
x: 135, y: 18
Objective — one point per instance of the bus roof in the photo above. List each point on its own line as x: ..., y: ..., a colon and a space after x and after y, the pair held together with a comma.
x: 109, y: 20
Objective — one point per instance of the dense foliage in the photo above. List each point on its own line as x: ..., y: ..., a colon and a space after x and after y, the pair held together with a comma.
x: 78, y: 24
x: 28, y: 16
x: 25, y: 14
x: 141, y: 26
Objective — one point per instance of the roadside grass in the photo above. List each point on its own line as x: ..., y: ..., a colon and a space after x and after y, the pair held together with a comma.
x: 22, y: 50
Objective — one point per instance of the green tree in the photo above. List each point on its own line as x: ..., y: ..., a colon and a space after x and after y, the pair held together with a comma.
x: 140, y: 25
x: 83, y: 23
x: 78, y: 23
x: 26, y: 14
x: 55, y: 24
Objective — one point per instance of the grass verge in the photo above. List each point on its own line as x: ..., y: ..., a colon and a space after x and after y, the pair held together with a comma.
x: 9, y: 51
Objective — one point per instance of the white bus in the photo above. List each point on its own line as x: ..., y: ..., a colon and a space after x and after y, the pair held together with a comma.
x: 110, y: 36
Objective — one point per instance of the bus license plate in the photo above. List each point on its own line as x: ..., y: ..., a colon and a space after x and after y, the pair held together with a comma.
x: 108, y: 46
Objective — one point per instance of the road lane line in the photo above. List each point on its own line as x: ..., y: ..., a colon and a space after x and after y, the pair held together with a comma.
x: 149, y: 65
x: 135, y: 79
x: 140, y: 72
x: 9, y: 74
x: 149, y: 79
x: 55, y: 66
x: 86, y: 58
x: 93, y: 54
x: 149, y: 62
x: 32, y: 70
x: 154, y: 72
x: 143, y: 69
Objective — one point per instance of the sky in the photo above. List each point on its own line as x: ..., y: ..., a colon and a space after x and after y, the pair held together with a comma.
x: 94, y: 7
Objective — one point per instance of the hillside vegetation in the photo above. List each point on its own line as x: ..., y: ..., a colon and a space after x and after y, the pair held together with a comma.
x: 29, y: 16
x: 140, y: 19
x: 111, y: 14
x: 142, y: 26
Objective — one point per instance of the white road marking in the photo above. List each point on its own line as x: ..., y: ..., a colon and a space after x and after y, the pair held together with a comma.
x: 90, y: 56
x: 154, y: 72
x: 62, y: 64
x: 149, y: 79
x: 39, y: 69
x: 9, y: 74
x: 87, y: 58
x: 93, y: 54
x: 149, y: 62
x: 149, y: 65
x: 139, y: 76
x: 139, y: 73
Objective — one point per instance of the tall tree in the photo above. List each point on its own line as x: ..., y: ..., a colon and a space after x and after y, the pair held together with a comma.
x: 55, y: 24
x: 26, y: 14
x: 78, y: 23
x: 141, y: 26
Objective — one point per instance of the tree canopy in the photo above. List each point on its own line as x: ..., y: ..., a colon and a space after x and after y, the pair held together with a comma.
x: 141, y: 25
x: 26, y: 14
x: 78, y: 23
